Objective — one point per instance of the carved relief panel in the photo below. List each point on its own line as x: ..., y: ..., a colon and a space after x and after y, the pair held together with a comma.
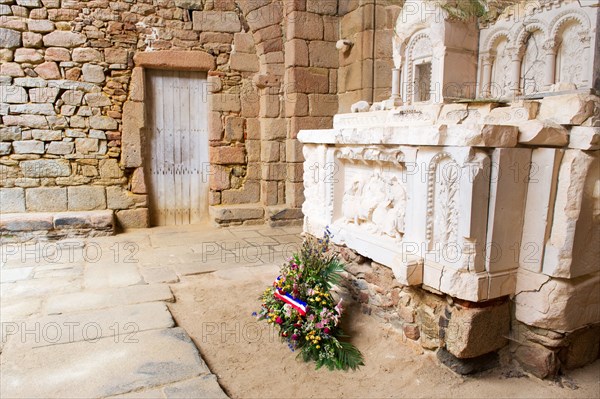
x: 533, y: 64
x: 371, y: 196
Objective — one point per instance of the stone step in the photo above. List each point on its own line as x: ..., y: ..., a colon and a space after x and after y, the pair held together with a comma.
x: 104, y: 368
x: 20, y: 227
x: 120, y: 323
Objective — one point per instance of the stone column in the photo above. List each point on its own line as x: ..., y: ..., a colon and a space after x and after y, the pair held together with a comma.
x: 515, y: 55
x: 396, y: 97
x: 486, y: 80
x: 550, y: 64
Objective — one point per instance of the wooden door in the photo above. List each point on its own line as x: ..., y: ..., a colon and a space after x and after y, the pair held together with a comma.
x: 177, y: 146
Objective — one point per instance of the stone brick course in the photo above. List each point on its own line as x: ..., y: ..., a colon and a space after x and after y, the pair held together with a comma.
x: 73, y: 92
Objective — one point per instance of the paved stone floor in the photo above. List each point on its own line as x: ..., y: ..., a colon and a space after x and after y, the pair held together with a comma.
x: 88, y: 317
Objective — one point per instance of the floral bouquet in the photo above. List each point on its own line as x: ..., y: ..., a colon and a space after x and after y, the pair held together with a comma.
x: 308, y: 317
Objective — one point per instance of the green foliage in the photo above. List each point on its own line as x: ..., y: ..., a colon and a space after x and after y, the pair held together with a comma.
x: 308, y: 277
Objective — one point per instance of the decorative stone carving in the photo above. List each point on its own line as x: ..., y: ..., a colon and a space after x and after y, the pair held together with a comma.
x: 377, y: 203
x: 538, y: 46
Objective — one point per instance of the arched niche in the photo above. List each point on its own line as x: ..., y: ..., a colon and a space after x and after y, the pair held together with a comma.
x: 571, y: 55
x: 500, y: 85
x: 420, y: 56
x: 533, y: 63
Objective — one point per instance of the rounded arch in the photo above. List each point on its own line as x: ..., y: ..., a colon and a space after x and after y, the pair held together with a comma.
x: 561, y: 19
x: 524, y: 33
x: 495, y: 37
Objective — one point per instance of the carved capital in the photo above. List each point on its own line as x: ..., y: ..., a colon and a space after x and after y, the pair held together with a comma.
x: 488, y: 59
x: 515, y: 53
x: 584, y: 37
x: 550, y: 46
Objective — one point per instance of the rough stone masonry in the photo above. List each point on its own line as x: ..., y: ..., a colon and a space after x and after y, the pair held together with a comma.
x: 72, y: 100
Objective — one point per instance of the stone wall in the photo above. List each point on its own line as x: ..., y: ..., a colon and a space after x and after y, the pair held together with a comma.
x: 468, y: 337
x: 365, y: 68
x: 72, y: 105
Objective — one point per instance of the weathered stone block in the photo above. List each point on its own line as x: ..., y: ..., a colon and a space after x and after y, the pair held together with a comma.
x: 234, y: 129
x: 66, y: 39
x: 60, y: 147
x: 224, y: 102
x: 249, y: 193
x: 243, y: 43
x: 138, y: 184
x: 28, y: 55
x: 585, y: 138
x: 227, y: 155
x: 72, y: 97
x: 119, y: 198
x: 86, y: 198
x: 90, y: 219
x: 133, y: 218
x: 323, y: 54
x: 304, y: 25
x: 12, y: 200
x: 93, y: 73
x: 45, y: 134
x: 48, y: 70
x: 10, y: 133
x: 26, y: 221
x: 87, y: 55
x: 115, y: 55
x: 40, y: 25
x: 5, y: 148
x: 568, y: 109
x: 28, y: 147
x: 219, y: 178
x: 133, y: 123
x: 296, y: 53
x: 216, y: 21
x: 33, y: 109
x: 43, y: 94
x: 473, y: 332
x: 322, y: 104
x: 13, y: 94
x: 537, y: 359
x: 225, y: 214
x: 33, y: 121
x: 109, y: 169
x: 244, y: 62
x: 86, y: 145
x: 46, y: 199
x: 103, y: 123
x: 11, y: 69
x: 97, y: 100
x: 308, y: 80
x: 536, y: 132
x: 272, y: 129
x: 10, y: 38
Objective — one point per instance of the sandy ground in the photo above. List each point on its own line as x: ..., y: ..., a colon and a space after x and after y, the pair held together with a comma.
x: 251, y: 362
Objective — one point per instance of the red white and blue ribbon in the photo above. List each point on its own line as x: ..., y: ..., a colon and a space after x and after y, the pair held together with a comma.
x: 296, y: 303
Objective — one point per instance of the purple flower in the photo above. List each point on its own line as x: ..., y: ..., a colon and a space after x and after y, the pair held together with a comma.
x: 278, y: 320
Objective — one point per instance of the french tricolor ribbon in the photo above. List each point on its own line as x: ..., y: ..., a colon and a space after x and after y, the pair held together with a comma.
x: 296, y: 303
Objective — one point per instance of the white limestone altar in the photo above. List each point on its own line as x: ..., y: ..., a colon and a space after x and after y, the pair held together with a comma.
x: 481, y: 199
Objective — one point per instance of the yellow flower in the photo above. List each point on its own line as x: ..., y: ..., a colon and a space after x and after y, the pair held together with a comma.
x: 318, y: 346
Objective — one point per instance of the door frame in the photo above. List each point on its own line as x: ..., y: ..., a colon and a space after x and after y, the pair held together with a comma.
x: 134, y: 109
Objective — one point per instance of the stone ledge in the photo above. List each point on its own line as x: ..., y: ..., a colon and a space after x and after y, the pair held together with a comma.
x: 224, y: 214
x: 175, y: 60
x: 17, y: 227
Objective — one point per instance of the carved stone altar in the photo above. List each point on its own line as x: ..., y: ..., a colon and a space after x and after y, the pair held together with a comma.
x: 477, y: 200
